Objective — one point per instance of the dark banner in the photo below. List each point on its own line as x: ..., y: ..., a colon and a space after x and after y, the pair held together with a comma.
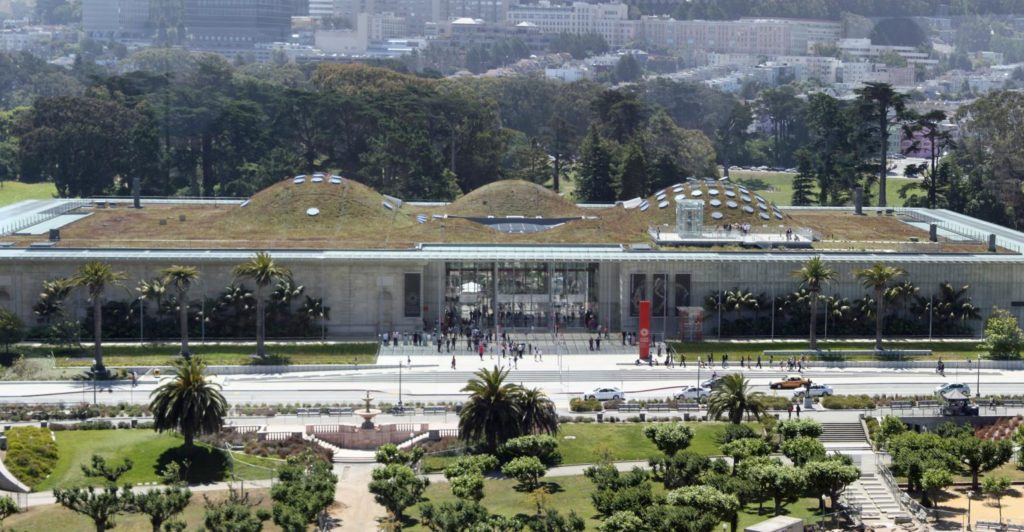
x: 637, y: 292
x: 682, y: 290
x: 659, y: 294
x: 412, y: 295
x: 645, y: 329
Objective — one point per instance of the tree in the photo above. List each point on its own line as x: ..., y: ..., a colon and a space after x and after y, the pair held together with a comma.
x: 681, y: 469
x: 1004, y: 338
x: 877, y: 278
x: 625, y: 521
x: 95, y: 277
x: 813, y: 275
x: 914, y: 453
x: 12, y: 329
x: 627, y: 69
x: 468, y: 486
x: 705, y: 499
x: 616, y: 492
x: 803, y: 181
x: 930, y: 125
x: 538, y: 412
x: 744, y: 448
x: 235, y: 513
x: 397, y: 487
x: 890, y: 426
x: 633, y: 172
x: 389, y: 453
x: 188, y: 402
x: 99, y: 468
x: 263, y: 271
x: 305, y: 489
x: 543, y: 447
x: 996, y: 487
x: 669, y: 438
x: 455, y: 516
x: 933, y: 480
x: 802, y: 450
x: 980, y: 455
x: 878, y: 101
x: 182, y: 278
x: 733, y: 397
x: 525, y: 469
x: 793, y: 428
x: 829, y: 478
x: 476, y: 463
x: 781, y: 482
x: 160, y: 505
x: 102, y: 505
x: 492, y: 412
x: 594, y: 169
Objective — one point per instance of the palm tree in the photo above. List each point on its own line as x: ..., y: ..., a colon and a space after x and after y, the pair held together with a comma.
x: 189, y: 403
x: 733, y: 397
x: 262, y: 269
x: 877, y: 278
x: 538, y: 412
x: 51, y: 299
x: 813, y: 275
x: 953, y: 306
x: 182, y: 278
x: 878, y: 100
x: 493, y: 412
x: 96, y: 276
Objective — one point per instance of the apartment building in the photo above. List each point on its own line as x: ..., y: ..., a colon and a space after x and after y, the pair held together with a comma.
x: 610, y: 21
x: 766, y: 37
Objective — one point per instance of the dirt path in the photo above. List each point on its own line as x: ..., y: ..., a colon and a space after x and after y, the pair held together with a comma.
x: 356, y: 509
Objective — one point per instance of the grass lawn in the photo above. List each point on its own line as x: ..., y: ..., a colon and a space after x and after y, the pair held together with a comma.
x: 1008, y: 469
x: 218, y: 355
x: 13, y: 192
x: 54, y: 517
x: 573, y: 493
x: 967, y: 349
x: 149, y: 451
x: 777, y: 187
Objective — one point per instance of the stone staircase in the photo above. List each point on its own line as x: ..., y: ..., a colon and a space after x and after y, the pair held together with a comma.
x: 876, y: 501
x: 843, y: 433
x: 343, y: 456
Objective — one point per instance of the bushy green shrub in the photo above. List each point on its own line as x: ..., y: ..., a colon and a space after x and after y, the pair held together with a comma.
x: 775, y: 402
x: 848, y: 402
x: 737, y: 432
x: 793, y: 428
x: 543, y: 447
x: 584, y: 405
x: 525, y: 469
x: 477, y: 463
x: 31, y: 454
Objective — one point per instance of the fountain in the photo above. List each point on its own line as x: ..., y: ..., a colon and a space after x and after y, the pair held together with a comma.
x: 368, y: 414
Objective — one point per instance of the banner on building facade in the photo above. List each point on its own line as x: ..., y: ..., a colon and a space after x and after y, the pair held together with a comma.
x: 637, y: 292
x: 412, y: 295
x: 644, y: 334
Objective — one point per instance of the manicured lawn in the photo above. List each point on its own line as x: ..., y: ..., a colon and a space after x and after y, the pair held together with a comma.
x: 219, y: 355
x: 54, y: 517
x: 777, y: 187
x: 625, y: 441
x: 149, y: 451
x: 13, y: 192
x: 967, y: 349
x: 573, y: 493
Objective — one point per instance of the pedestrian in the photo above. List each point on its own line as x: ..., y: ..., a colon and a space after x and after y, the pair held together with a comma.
x: 758, y: 361
x: 540, y: 354
x: 682, y: 358
x: 408, y: 361
x: 623, y: 337
x: 725, y: 360
x: 597, y: 343
x: 453, y: 361
x: 798, y: 411
x: 790, y: 411
x: 515, y: 365
x: 591, y: 343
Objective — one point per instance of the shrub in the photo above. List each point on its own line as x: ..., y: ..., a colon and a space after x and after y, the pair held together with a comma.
x: 803, y: 449
x: 477, y: 463
x: 31, y: 454
x: 737, y: 432
x: 775, y: 402
x: 543, y: 447
x: 848, y: 402
x: 525, y: 469
x: 584, y: 405
x: 95, y: 425
x: 669, y: 438
x: 793, y: 428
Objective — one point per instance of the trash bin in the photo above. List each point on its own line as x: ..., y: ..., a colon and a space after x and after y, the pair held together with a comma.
x: 600, y: 417
x: 643, y: 416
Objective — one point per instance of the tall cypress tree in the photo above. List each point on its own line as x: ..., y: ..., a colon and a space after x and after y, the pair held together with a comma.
x: 633, y: 172
x: 594, y: 178
x: 803, y: 181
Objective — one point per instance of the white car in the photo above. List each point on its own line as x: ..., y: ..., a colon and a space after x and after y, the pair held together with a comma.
x: 693, y: 393
x: 953, y: 386
x: 817, y: 390
x: 605, y: 394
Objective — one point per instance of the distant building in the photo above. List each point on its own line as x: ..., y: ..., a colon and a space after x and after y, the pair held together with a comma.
x: 227, y: 25
x: 766, y: 37
x: 466, y: 32
x: 610, y: 21
x: 26, y: 39
x: 568, y: 74
x: 115, y: 19
x: 863, y: 49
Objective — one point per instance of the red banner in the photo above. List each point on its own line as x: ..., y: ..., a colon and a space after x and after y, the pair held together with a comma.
x: 645, y: 329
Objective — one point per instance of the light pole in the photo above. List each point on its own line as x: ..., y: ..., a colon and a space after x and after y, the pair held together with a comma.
x: 142, y: 319
x: 978, y: 389
x: 970, y: 495
x: 400, y: 385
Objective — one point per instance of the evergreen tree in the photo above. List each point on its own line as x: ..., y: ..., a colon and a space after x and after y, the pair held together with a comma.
x: 632, y: 178
x: 594, y: 176
x: 803, y: 181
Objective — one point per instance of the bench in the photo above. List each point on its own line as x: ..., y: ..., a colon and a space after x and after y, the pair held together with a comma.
x: 628, y: 408
x: 927, y: 404
x: 988, y: 525
x: 688, y: 406
x: 401, y: 410
x: 307, y: 411
x: 1013, y: 404
x: 659, y: 407
x: 340, y: 412
x: 435, y: 409
x: 901, y: 405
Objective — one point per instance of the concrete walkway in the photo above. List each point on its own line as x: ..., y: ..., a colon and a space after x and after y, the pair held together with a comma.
x: 42, y: 498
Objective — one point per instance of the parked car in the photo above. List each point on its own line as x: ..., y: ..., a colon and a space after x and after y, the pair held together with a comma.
x: 693, y: 393
x: 711, y: 383
x: 953, y: 387
x: 817, y: 390
x: 790, y: 382
x: 605, y: 394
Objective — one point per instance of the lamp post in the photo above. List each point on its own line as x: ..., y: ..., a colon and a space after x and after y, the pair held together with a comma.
x: 400, y: 385
x: 977, y: 390
x: 970, y: 495
x: 142, y: 319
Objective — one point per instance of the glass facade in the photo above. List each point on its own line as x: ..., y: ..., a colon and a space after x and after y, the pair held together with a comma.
x: 516, y: 295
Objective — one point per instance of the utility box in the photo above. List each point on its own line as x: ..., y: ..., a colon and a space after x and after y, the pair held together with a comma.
x: 781, y: 523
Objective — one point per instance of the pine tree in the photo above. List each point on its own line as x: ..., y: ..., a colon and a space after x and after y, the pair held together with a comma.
x: 803, y: 181
x: 633, y: 172
x: 594, y: 177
